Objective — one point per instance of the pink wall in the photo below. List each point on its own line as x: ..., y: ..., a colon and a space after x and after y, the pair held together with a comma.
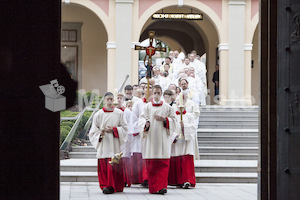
x: 215, y: 5
x: 103, y: 4
x: 145, y: 4
x: 254, y: 8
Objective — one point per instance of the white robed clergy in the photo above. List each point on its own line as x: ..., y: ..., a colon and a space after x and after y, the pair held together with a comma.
x: 193, y: 108
x: 139, y: 174
x: 107, y: 134
x: 157, y: 123
x: 182, y: 170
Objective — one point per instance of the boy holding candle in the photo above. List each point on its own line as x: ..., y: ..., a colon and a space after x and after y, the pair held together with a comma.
x: 157, y: 124
x: 182, y: 171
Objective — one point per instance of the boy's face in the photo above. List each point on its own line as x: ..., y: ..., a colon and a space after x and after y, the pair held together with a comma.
x: 156, y: 94
x: 128, y: 94
x: 120, y: 99
x: 109, y: 100
x: 129, y: 106
x: 167, y: 98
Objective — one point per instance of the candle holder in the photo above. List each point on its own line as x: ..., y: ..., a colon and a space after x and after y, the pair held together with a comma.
x: 181, y: 136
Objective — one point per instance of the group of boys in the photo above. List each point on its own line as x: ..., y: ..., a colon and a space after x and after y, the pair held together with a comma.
x: 156, y: 136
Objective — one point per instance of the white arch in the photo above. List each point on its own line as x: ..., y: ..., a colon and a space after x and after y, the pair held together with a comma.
x: 194, y: 4
x: 98, y: 12
x: 253, y: 26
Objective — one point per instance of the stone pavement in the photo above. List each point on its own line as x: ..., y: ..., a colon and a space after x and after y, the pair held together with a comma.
x: 202, y: 191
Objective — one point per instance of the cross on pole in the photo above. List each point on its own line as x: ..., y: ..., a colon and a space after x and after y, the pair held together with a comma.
x: 150, y: 51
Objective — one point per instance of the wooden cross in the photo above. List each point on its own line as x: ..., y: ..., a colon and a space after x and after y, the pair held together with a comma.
x: 150, y: 51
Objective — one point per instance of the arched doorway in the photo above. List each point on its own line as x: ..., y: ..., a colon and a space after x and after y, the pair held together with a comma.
x: 201, y: 36
x: 92, y: 54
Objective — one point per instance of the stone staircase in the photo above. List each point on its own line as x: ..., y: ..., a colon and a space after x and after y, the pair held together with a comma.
x: 228, y: 148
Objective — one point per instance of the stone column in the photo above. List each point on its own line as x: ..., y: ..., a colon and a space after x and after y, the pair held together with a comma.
x: 123, y: 41
x: 236, y: 58
x: 223, y: 73
x: 247, y: 76
x: 111, y: 70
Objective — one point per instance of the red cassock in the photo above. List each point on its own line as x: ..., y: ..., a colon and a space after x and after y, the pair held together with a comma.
x: 182, y: 170
x: 110, y: 176
x: 157, y: 172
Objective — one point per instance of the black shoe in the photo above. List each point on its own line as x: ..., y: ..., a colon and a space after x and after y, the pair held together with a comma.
x: 186, y: 185
x: 162, y: 191
x: 145, y: 183
x: 106, y: 191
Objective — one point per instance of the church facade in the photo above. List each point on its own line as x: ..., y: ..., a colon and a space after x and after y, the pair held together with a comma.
x: 98, y: 39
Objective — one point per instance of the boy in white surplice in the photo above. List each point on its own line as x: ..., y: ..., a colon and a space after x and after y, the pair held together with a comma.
x: 107, y: 134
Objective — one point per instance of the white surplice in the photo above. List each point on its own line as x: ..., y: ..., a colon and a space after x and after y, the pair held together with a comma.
x: 185, y: 146
x: 156, y: 143
x: 193, y: 108
x: 109, y: 145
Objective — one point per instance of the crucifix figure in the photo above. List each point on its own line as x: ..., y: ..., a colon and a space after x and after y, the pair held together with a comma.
x: 150, y: 51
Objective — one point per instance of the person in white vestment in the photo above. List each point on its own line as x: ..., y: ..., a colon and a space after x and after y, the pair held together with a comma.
x: 107, y: 134
x: 138, y: 171
x: 126, y: 145
x: 182, y: 170
x: 157, y: 124
x: 128, y: 90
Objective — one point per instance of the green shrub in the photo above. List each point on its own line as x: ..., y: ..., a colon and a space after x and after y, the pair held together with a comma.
x: 63, y: 133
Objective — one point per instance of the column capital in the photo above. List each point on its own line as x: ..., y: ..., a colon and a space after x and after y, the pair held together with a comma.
x: 124, y: 1
x: 248, y: 47
x: 236, y: 2
x: 223, y: 46
x: 111, y: 45
x: 134, y: 43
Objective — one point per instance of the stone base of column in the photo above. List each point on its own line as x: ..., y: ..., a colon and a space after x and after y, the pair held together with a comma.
x: 236, y: 102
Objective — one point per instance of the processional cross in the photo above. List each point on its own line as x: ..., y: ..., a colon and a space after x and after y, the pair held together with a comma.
x: 150, y: 51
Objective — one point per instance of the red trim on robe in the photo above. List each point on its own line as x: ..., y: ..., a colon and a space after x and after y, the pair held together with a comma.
x: 178, y: 113
x: 136, y: 168
x: 115, y: 132
x: 104, y: 109
x: 182, y: 170
x: 110, y: 176
x: 166, y: 123
x: 157, y: 104
x: 122, y: 108
x: 157, y: 171
x: 145, y: 100
x: 135, y: 134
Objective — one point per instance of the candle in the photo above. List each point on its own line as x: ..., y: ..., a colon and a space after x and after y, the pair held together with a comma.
x: 180, y: 99
x: 115, y: 95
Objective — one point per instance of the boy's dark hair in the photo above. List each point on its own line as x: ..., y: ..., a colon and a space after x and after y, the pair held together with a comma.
x: 108, y: 94
x: 128, y: 87
x: 168, y: 92
x: 135, y: 85
x: 168, y: 58
x: 157, y: 87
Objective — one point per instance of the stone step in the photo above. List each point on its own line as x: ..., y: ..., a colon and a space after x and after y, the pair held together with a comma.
x: 227, y: 123
x: 228, y: 126
x: 227, y: 132
x: 235, y: 108
x: 228, y: 143
x: 200, y: 177
x: 227, y: 138
x: 82, y: 155
x: 225, y: 166
x: 228, y: 118
x: 226, y: 177
x: 228, y: 156
x: 250, y: 150
x: 83, y: 149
